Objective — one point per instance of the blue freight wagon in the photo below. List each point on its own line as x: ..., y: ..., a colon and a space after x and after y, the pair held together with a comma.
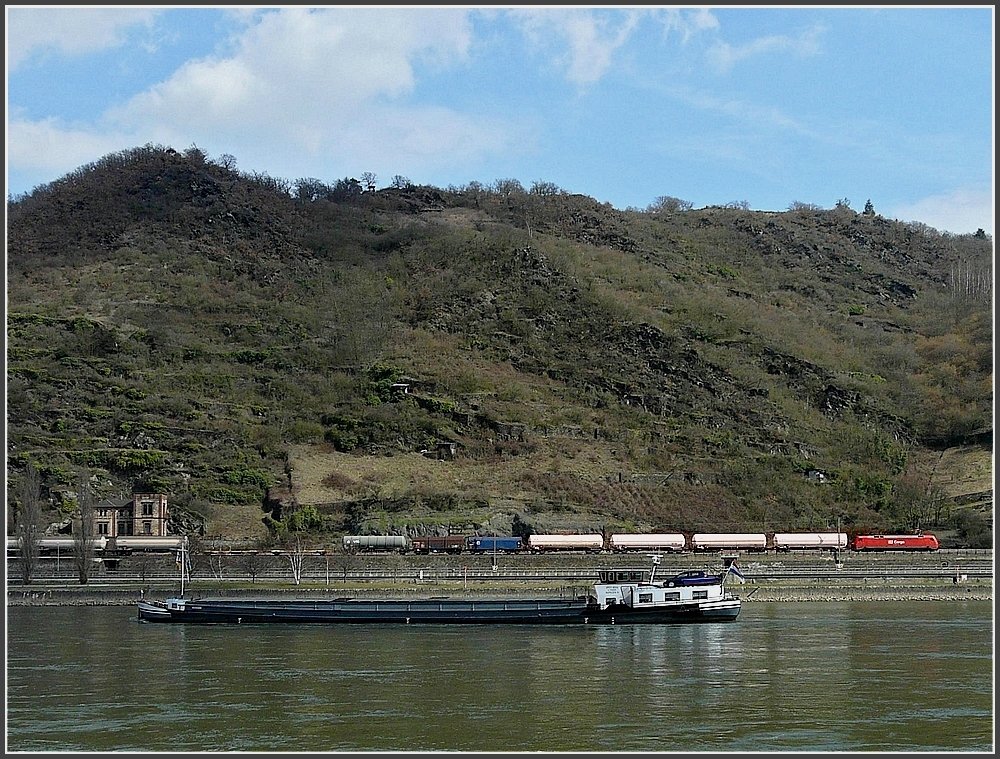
x: 490, y: 544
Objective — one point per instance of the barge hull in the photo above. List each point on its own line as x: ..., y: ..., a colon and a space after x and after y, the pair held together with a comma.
x: 429, y: 612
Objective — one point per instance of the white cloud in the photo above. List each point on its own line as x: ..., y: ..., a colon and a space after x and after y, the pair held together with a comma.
x: 389, y: 141
x: 592, y: 45
x: 724, y: 56
x: 741, y: 111
x: 357, y: 53
x: 303, y: 75
x: 688, y: 23
x: 962, y: 211
x: 583, y: 41
x: 48, y: 147
x: 68, y: 31
x: 318, y: 87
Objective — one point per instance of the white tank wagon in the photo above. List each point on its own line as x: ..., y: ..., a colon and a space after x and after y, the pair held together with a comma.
x: 47, y: 545
x: 151, y: 543
x: 375, y: 543
x: 647, y: 541
x: 789, y: 541
x: 592, y: 542
x: 719, y: 541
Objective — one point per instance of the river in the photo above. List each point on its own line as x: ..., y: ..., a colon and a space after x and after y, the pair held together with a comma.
x: 808, y: 676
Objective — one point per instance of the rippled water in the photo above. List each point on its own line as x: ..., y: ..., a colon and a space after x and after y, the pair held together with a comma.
x: 897, y: 676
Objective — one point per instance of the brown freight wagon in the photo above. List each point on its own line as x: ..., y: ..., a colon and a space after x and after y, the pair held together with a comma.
x: 433, y: 544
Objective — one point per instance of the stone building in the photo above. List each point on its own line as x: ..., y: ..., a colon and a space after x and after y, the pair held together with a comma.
x: 142, y: 514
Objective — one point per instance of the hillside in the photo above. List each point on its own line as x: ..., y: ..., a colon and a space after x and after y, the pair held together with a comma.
x: 275, y: 355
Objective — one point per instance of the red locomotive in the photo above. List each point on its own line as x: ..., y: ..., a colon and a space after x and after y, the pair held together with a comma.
x: 919, y: 542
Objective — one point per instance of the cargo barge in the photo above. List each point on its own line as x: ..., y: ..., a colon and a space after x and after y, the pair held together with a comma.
x: 618, y: 597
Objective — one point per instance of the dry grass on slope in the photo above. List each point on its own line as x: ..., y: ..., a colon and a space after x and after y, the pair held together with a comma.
x: 321, y: 475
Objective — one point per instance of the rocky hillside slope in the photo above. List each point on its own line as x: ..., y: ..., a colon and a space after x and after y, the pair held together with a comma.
x: 298, y: 355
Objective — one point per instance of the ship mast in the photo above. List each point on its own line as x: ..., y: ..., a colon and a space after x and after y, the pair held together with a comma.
x: 655, y: 558
x: 183, y: 556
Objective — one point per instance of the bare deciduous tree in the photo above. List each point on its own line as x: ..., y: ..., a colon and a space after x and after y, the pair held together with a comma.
x: 798, y: 205
x: 143, y: 564
x: 544, y: 188
x: 28, y: 527
x: 215, y: 551
x: 668, y: 203
x: 83, y: 531
x: 254, y: 563
x: 195, y: 555
x: 345, y: 562
x: 506, y: 189
x: 296, y: 549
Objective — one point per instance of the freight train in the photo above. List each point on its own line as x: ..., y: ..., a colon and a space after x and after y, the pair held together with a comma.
x: 626, y: 542
x: 125, y: 545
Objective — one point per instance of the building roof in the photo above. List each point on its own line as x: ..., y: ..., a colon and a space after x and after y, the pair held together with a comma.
x: 114, y: 503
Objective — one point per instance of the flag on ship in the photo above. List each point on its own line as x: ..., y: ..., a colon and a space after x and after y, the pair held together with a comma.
x: 736, y: 571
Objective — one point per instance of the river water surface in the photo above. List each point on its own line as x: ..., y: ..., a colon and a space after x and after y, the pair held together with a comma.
x: 820, y: 676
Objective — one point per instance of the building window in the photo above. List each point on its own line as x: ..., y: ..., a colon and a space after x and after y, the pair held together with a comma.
x: 102, y: 528
x: 147, y: 528
x: 147, y: 508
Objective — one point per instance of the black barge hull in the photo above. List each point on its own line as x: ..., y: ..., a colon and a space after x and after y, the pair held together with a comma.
x: 426, y: 611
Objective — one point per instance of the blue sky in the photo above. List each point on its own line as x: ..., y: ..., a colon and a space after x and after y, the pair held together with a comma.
x: 767, y: 106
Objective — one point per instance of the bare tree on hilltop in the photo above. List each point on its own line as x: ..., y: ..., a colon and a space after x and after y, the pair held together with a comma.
x: 668, y: 204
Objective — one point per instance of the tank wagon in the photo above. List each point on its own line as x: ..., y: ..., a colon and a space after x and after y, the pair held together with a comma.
x: 919, y: 542
x: 646, y: 542
x: 720, y: 541
x: 148, y: 543
x: 52, y: 545
x: 102, y: 545
x: 539, y: 543
x: 375, y: 543
x: 789, y: 541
